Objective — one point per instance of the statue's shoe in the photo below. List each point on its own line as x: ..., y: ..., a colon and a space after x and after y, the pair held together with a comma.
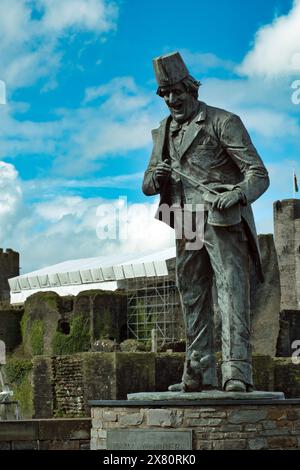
x: 177, y: 387
x: 235, y: 386
x: 182, y: 387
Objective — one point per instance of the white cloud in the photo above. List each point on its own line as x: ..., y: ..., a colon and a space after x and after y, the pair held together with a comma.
x: 30, y: 34
x: 265, y: 106
x: 88, y: 15
x: 2, y: 92
x: 65, y: 227
x: 119, y: 123
x: 10, y: 199
x: 276, y: 48
x: 200, y: 62
x: 269, y: 123
x: 78, y: 139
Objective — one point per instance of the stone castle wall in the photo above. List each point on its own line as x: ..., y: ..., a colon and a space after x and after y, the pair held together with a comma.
x: 9, y: 267
x: 58, y: 434
x: 287, y: 242
x: 63, y: 385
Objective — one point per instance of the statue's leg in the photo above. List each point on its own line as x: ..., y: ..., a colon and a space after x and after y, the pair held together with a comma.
x: 229, y: 255
x: 194, y: 281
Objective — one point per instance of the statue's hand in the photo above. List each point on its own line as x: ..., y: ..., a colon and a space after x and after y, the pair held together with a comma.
x: 162, y: 172
x: 227, y: 199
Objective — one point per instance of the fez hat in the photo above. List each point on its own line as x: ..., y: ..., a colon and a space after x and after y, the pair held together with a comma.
x: 169, y: 69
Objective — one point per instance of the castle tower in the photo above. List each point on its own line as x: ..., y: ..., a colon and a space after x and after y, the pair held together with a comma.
x: 287, y: 242
x: 9, y: 267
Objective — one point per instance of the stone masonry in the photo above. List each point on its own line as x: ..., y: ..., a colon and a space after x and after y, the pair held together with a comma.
x: 287, y: 242
x: 217, y: 427
x: 9, y: 267
x: 45, y: 434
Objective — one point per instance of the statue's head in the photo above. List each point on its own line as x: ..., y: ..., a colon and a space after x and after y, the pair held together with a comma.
x: 176, y: 86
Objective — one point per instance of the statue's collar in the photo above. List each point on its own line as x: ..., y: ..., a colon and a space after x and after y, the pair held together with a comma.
x: 202, y: 112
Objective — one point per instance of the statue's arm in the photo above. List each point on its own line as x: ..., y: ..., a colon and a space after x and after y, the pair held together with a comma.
x: 150, y: 186
x: 237, y: 142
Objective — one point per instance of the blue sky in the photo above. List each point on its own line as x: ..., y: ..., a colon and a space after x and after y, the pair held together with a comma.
x: 80, y: 105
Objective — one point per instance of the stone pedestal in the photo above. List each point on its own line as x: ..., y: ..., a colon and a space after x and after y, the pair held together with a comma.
x: 210, y: 396
x: 216, y: 424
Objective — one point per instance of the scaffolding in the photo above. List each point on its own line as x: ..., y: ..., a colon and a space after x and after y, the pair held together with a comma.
x: 151, y: 304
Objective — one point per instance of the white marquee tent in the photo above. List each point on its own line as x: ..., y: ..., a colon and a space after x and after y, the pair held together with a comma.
x: 103, y: 272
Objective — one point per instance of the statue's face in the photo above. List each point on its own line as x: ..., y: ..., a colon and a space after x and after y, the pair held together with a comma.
x: 180, y: 102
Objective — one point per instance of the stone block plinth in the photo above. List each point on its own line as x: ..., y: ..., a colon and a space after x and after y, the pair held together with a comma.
x: 193, y: 424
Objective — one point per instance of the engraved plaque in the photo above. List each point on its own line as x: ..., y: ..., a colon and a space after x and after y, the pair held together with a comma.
x: 148, y: 440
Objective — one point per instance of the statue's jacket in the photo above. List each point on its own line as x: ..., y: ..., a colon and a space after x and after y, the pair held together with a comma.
x: 216, y: 149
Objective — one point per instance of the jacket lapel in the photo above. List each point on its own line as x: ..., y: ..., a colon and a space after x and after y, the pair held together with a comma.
x: 193, y: 130
x: 160, y: 138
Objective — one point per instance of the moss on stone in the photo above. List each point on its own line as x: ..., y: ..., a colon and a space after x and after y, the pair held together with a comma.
x: 37, y: 331
x: 287, y: 377
x: 135, y: 372
x: 263, y: 372
x: 32, y: 335
x: 24, y: 394
x: 39, y: 321
x: 78, y: 340
x: 104, y: 324
x: 18, y: 375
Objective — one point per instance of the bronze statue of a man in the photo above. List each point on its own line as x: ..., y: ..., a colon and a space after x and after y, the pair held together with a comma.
x: 201, y: 143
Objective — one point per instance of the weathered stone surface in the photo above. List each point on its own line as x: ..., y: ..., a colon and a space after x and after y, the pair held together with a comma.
x: 9, y: 267
x: 252, y: 427
x: 18, y: 431
x: 42, y: 387
x: 99, y: 377
x: 246, y: 426
x: 39, y: 322
x: 268, y: 424
x: 168, y: 370
x: 55, y: 434
x: 282, y: 442
x: 205, y: 395
x: 277, y: 413
x: 204, y: 445
x: 287, y: 377
x: 109, y: 312
x: 265, y: 301
x: 246, y: 416
x: 257, y: 444
x: 132, y: 419
x: 135, y: 372
x: 276, y: 432
x: 287, y: 231
x: 63, y: 429
x: 160, y: 417
x: 203, y: 422
x: 263, y: 372
x: 10, y: 331
x: 109, y: 416
x: 238, y: 444
x: 59, y: 445
x: 231, y: 428
x: 84, y: 445
x: 213, y: 414
x: 25, y: 445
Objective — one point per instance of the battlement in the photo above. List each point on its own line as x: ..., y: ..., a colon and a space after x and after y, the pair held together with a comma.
x: 287, y: 242
x: 8, y: 253
x: 287, y: 207
x: 9, y: 267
